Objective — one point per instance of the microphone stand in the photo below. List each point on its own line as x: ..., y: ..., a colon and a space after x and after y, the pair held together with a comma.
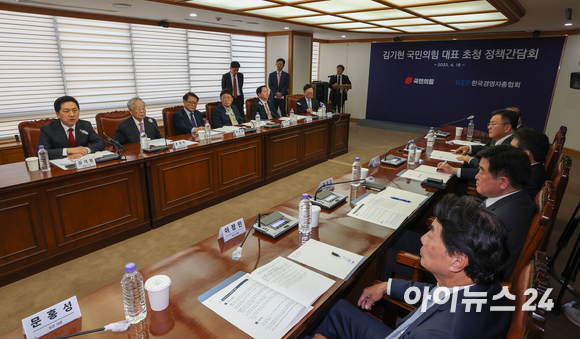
x: 452, y: 122
x: 340, y: 182
x: 162, y: 148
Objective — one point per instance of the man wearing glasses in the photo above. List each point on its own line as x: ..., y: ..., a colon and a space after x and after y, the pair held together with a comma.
x: 188, y: 119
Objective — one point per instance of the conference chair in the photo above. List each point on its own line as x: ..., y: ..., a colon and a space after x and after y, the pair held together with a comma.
x: 168, y: 120
x: 249, y: 103
x: 29, y: 134
x: 107, y: 122
x: 555, y: 151
x: 208, y: 108
x: 291, y: 102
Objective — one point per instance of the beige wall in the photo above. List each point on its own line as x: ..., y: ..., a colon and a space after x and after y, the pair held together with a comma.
x: 277, y: 46
x: 302, y: 57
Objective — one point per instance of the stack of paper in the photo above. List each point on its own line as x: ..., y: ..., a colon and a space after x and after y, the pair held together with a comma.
x: 62, y: 163
x: 464, y: 142
x: 445, y: 156
x: 226, y: 129
x: 160, y: 142
x: 423, y: 172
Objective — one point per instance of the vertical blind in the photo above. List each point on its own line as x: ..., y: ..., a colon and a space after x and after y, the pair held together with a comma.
x: 315, y: 54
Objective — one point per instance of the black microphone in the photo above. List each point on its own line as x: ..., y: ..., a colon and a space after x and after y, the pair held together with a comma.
x: 340, y: 182
x: 114, y: 142
x: 158, y: 148
x: 452, y: 122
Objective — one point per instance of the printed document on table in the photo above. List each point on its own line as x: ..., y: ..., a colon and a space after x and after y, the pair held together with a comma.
x: 421, y: 176
x: 160, y: 142
x: 268, y: 302
x: 466, y: 143
x: 319, y: 255
x: 440, y: 155
x: 226, y: 129
x: 62, y: 163
x: 298, y: 117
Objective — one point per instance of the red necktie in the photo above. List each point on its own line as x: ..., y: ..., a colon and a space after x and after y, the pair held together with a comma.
x: 278, y: 81
x: 71, y: 137
x: 141, y: 127
x: 268, y: 111
x: 235, y: 87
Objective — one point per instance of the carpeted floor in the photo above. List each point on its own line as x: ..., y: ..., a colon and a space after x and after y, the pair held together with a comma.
x: 88, y: 273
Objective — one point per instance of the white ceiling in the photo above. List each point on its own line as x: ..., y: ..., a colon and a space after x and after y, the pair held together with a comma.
x: 542, y: 15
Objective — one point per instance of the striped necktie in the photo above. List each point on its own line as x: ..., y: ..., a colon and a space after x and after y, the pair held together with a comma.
x: 232, y: 117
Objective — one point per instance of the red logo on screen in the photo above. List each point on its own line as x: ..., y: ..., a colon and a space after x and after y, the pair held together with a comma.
x: 408, y: 80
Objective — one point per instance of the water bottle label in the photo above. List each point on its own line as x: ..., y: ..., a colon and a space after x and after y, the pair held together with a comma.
x: 85, y: 163
x: 177, y: 144
x: 308, y: 119
x: 239, y: 133
x: 51, y: 318
x: 232, y: 230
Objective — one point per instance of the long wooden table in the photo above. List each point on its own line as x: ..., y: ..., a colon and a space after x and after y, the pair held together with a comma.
x: 52, y: 217
x: 203, y: 265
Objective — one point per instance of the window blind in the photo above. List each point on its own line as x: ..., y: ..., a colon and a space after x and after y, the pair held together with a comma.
x: 315, y: 54
x: 250, y: 52
x: 209, y: 59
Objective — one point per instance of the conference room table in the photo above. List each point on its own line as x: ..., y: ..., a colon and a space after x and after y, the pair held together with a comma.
x: 202, y: 266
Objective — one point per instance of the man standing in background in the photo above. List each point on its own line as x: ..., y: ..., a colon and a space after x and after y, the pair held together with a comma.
x: 234, y: 82
x: 278, y: 82
x: 336, y: 100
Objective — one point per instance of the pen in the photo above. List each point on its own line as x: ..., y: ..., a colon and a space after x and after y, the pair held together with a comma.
x: 439, y: 166
x: 403, y: 200
x: 358, y: 209
x: 343, y: 258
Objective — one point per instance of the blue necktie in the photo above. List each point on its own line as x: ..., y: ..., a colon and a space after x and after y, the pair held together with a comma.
x: 193, y: 120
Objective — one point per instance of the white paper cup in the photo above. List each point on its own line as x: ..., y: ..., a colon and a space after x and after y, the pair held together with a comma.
x: 158, y: 290
x: 201, y: 134
x: 458, y: 132
x: 148, y: 142
x: 32, y: 163
x: 315, y: 216
x: 417, y: 155
x: 364, y: 172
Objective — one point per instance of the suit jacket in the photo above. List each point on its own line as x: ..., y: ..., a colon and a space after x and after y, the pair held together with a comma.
x: 258, y: 106
x: 516, y: 211
x: 54, y: 138
x: 302, y: 105
x: 335, y: 93
x: 537, y: 178
x: 182, y: 122
x: 221, y: 119
x: 273, y: 84
x: 227, y: 83
x: 127, y: 132
x: 439, y: 322
x: 478, y: 148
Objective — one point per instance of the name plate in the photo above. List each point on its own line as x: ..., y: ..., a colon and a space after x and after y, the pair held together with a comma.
x: 239, y: 133
x: 329, y: 114
x: 329, y: 182
x: 376, y: 161
x: 51, y: 318
x: 285, y: 123
x: 232, y: 230
x: 179, y: 144
x: 308, y: 119
x: 85, y: 163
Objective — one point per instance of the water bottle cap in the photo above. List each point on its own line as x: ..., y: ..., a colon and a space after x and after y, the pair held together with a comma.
x: 130, y: 267
x: 357, y: 159
x: 142, y: 131
x: 207, y: 121
x: 470, y: 121
x: 41, y: 147
x: 432, y: 128
x: 305, y: 196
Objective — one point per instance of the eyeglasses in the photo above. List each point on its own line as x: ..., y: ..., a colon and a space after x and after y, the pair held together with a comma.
x: 494, y: 123
x: 192, y: 102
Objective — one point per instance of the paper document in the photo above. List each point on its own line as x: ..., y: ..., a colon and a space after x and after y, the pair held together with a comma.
x: 62, y: 163
x: 159, y: 142
x: 421, y: 176
x: 319, y: 255
x: 440, y: 155
x: 268, y: 302
x: 298, y: 117
x: 465, y: 143
x: 226, y: 129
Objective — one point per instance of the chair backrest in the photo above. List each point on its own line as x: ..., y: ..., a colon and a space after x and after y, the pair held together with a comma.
x: 208, y: 108
x: 29, y: 134
x: 560, y: 179
x: 249, y: 103
x: 530, y: 324
x: 555, y: 151
x: 168, y: 120
x: 544, y: 210
x: 291, y: 102
x: 107, y: 122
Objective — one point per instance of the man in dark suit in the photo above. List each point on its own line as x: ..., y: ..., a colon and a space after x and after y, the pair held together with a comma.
x: 188, y: 119
x: 465, y: 248
x: 263, y: 106
x: 307, y: 104
x: 278, y: 83
x: 335, y: 94
x: 519, y: 114
x: 536, y: 145
x: 226, y: 114
x: 129, y: 130
x: 69, y: 137
x: 234, y: 82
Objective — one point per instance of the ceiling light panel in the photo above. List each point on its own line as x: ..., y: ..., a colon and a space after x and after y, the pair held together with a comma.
x: 473, y: 25
x: 374, y: 30
x: 399, y: 22
x: 231, y: 5
x: 424, y: 28
x: 405, y: 3
x: 281, y: 12
x: 320, y: 19
x: 335, y: 6
x: 347, y: 25
x: 455, y: 8
x: 377, y: 15
x: 470, y: 17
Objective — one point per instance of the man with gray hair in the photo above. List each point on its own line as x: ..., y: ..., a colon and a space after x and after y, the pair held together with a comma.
x: 128, y: 131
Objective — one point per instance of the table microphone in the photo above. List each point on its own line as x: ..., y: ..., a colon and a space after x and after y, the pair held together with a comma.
x: 452, y: 122
x: 161, y: 148
x: 334, y: 183
x: 114, y: 142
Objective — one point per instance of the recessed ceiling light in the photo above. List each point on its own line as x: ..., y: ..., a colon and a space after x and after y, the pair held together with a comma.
x: 343, y: 36
x: 120, y: 5
x: 286, y: 27
x: 568, y: 24
x: 193, y: 14
x: 252, y: 23
x: 237, y: 21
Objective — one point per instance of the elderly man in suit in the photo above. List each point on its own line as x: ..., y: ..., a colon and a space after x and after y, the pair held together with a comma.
x: 278, y: 83
x: 336, y: 100
x: 68, y: 136
x: 234, y: 82
x: 188, y: 119
x: 129, y: 130
x: 263, y: 106
x: 307, y: 104
x: 226, y: 114
x: 465, y: 249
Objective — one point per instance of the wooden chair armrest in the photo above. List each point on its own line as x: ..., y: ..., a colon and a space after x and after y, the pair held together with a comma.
x: 396, y: 302
x: 505, y: 283
x: 409, y: 259
x: 429, y: 221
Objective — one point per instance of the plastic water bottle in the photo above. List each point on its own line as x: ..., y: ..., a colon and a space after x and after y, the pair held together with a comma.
x: 304, y: 214
x: 257, y: 122
x: 431, y: 137
x: 470, y: 129
x: 207, y: 128
x: 133, y: 294
x: 356, y: 166
x: 323, y: 111
x: 412, y: 150
x: 291, y: 115
x: 43, y: 157
x: 143, y: 140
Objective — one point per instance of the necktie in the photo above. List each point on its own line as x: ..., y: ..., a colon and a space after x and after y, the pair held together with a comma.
x: 235, y: 87
x: 340, y: 79
x: 141, y: 127
x: 278, y: 81
x: 71, y: 137
x: 268, y: 111
x: 404, y: 326
x: 232, y: 118
x: 193, y: 120
x: 309, y: 106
